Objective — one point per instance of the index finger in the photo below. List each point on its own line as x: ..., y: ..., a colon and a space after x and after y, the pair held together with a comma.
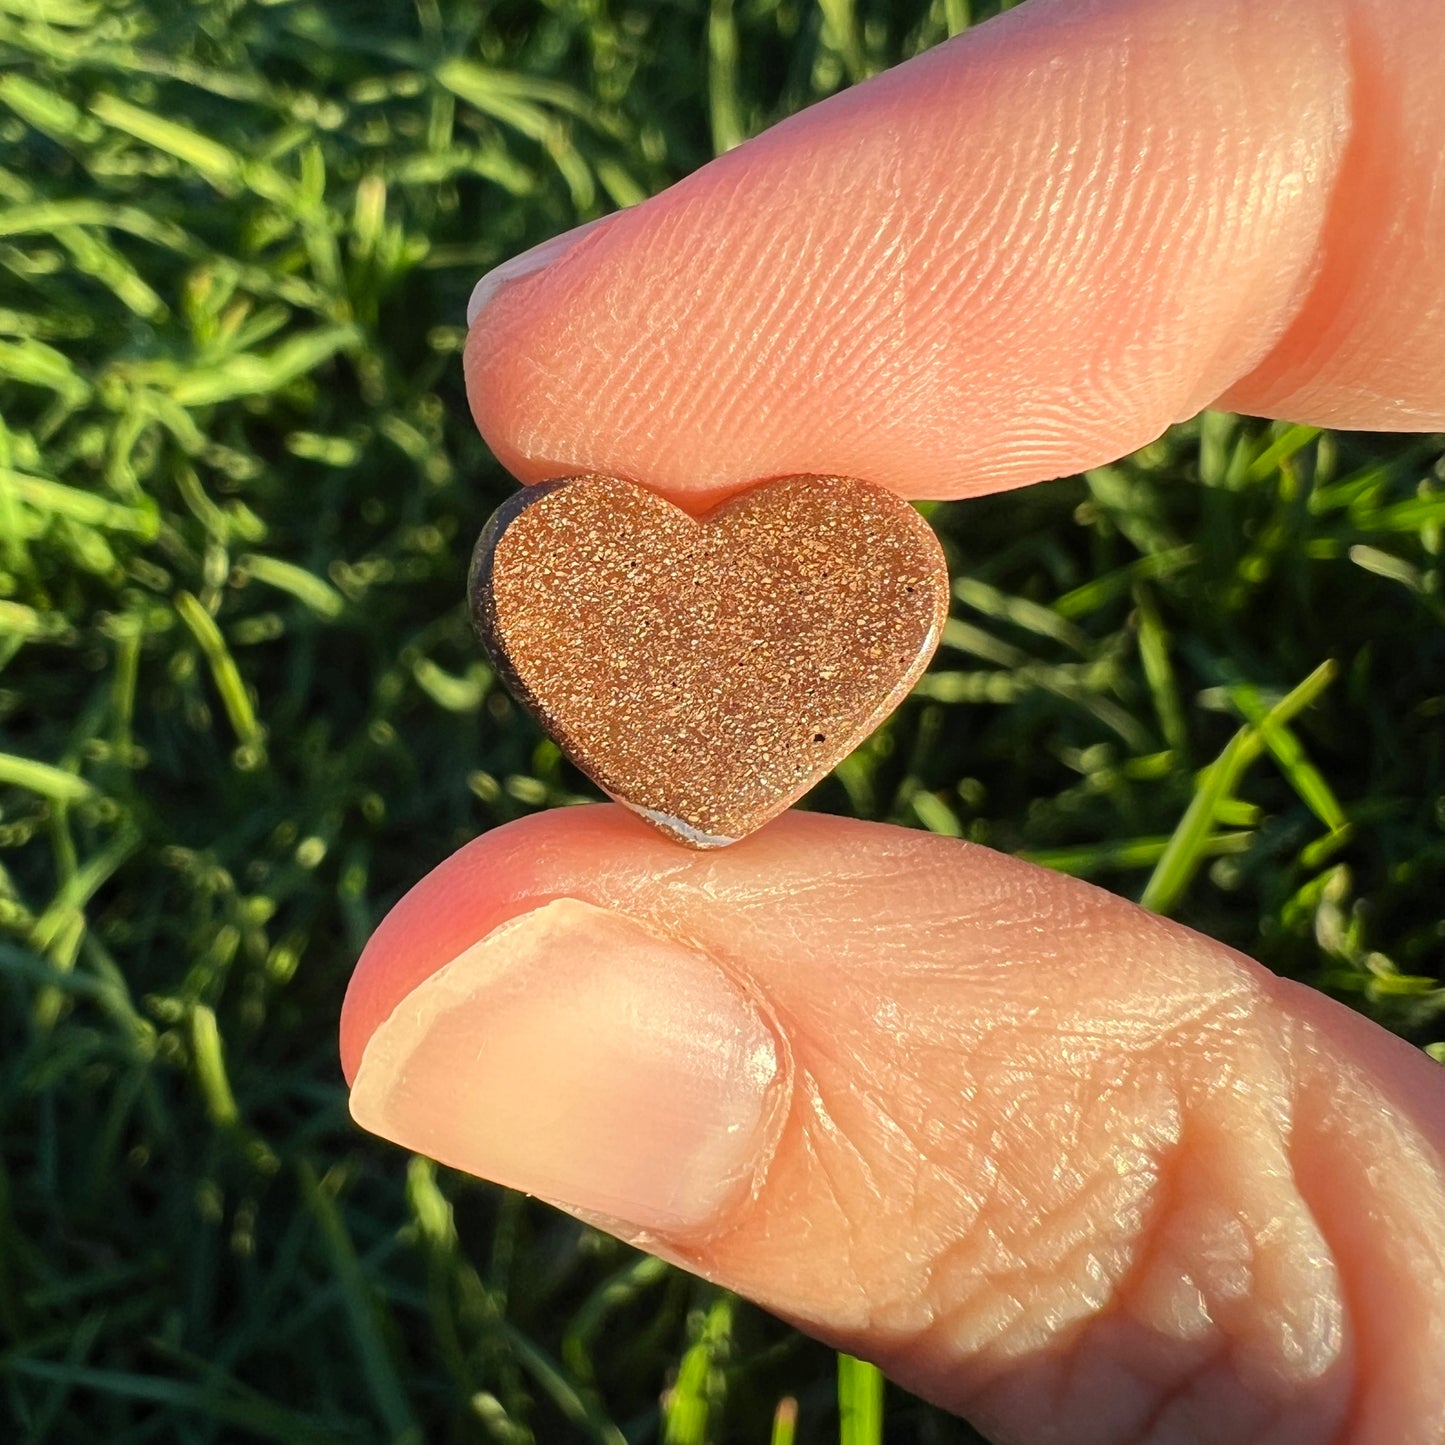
x: 1024, y: 253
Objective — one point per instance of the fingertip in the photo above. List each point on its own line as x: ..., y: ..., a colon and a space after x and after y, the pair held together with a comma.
x: 576, y: 1055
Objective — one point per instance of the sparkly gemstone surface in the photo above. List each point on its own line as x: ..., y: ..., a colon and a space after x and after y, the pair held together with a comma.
x: 706, y: 672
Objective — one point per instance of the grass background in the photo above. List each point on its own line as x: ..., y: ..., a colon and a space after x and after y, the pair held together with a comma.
x: 241, y: 711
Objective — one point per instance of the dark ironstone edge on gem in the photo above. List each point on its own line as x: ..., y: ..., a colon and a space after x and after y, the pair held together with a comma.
x: 479, y: 582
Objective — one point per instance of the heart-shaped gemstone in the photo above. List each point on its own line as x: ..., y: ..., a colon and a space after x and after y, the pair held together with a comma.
x: 706, y: 672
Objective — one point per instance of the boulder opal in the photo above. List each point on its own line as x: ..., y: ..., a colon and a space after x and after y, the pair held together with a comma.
x: 707, y: 671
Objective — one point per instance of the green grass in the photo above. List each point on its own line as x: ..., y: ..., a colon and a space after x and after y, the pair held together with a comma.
x: 241, y: 711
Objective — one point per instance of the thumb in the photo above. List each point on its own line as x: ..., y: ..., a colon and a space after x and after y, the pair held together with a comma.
x: 1053, y: 1162
x: 1023, y: 253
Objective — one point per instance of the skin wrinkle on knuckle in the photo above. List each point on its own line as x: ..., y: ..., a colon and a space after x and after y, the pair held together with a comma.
x: 1173, y: 1391
x: 1231, y: 1253
x: 1389, y: 1276
x: 1178, y: 1407
x: 1051, y: 1252
x: 979, y: 1292
x: 968, y: 1202
x: 1362, y: 344
x: 827, y: 1143
x: 1211, y: 1025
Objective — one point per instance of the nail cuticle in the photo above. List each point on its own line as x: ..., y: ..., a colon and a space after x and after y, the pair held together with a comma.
x: 526, y: 263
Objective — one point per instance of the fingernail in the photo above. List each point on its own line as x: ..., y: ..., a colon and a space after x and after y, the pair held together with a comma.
x: 577, y: 1056
x: 525, y: 264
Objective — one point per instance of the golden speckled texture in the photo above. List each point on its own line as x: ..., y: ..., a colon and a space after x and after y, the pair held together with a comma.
x: 707, y: 672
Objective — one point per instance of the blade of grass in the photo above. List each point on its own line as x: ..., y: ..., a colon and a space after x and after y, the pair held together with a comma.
x: 1030, y: 616
x: 210, y: 1061
x: 564, y: 1392
x: 1086, y: 860
x: 860, y: 1402
x: 378, y: 1369
x: 306, y: 587
x: 785, y: 1422
x: 1154, y: 644
x: 224, y: 672
x: 1185, y: 851
x: 252, y: 1413
x: 250, y: 374
x: 1303, y: 776
x: 688, y: 1407
x: 55, y: 498
x: 724, y: 108
x: 56, y: 784
x: 615, y: 1293
x: 1292, y: 441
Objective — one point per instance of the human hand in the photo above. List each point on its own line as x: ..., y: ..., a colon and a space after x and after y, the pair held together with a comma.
x: 1051, y: 1161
